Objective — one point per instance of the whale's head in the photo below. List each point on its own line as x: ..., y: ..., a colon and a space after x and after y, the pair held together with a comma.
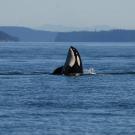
x: 73, y: 62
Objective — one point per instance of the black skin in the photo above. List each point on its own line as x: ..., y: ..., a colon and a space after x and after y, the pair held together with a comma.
x: 58, y: 71
x: 70, y: 71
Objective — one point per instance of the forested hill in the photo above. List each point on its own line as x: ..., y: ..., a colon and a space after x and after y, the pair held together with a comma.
x: 29, y: 35
x: 99, y: 36
x: 4, y: 37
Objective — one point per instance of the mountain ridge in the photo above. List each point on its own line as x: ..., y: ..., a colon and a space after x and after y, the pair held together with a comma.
x: 62, y: 28
x: 25, y: 34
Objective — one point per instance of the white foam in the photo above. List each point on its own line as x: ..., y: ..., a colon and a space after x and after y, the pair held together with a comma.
x: 90, y: 71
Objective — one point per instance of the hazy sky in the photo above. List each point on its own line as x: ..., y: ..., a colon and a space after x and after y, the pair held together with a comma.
x: 79, y: 13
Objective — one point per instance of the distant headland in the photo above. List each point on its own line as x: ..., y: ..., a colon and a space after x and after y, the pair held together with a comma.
x: 23, y: 34
x: 4, y: 37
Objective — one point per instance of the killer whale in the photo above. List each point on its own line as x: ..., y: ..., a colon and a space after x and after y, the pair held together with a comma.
x: 73, y: 64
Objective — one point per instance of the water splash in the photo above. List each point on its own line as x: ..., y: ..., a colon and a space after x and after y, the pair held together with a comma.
x: 90, y: 71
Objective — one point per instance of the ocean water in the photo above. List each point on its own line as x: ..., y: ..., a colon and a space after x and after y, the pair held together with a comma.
x: 34, y: 102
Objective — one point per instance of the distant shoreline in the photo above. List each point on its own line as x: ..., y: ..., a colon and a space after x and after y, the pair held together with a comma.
x: 23, y: 34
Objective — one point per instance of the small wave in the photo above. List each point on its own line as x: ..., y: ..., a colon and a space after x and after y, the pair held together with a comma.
x: 118, y: 73
x: 23, y: 73
x: 90, y: 71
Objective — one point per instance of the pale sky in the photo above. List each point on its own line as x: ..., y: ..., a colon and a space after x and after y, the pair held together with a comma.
x: 78, y: 13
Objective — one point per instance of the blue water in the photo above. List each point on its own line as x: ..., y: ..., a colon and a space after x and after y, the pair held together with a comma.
x: 34, y: 102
